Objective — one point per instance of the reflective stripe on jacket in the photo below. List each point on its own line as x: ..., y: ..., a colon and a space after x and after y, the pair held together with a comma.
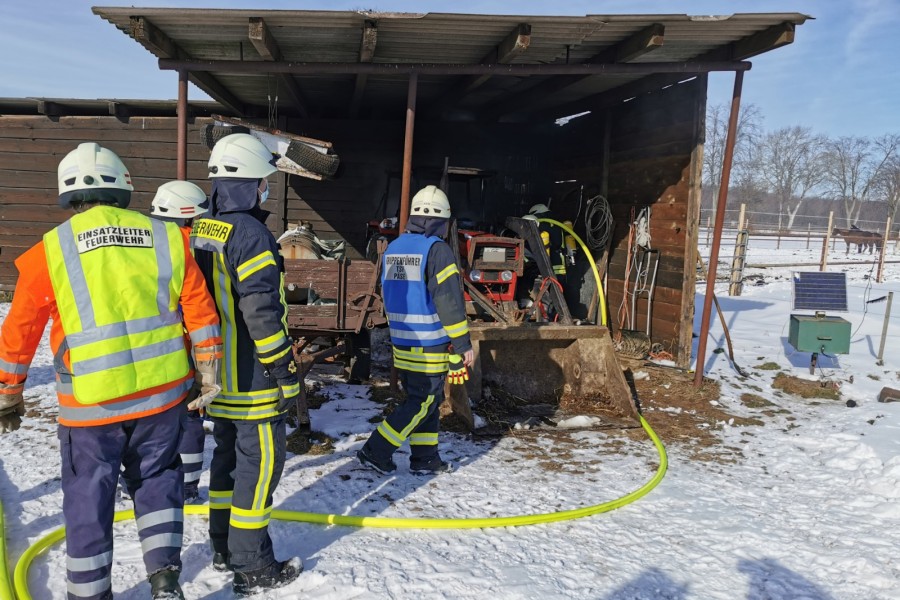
x: 130, y: 301
x: 412, y: 316
x: 244, y: 271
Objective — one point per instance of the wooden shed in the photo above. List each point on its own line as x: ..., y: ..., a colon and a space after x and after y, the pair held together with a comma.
x: 397, y: 94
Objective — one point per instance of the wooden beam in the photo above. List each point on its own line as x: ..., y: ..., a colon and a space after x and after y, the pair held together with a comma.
x: 512, y: 46
x: 262, y: 40
x: 153, y: 39
x: 646, y: 40
x: 763, y: 41
x: 118, y: 110
x: 265, y: 44
x: 634, y: 46
x: 366, y: 53
x: 49, y: 108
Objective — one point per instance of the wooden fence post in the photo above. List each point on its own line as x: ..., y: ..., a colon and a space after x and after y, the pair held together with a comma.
x: 823, y: 262
x: 808, y: 233
x: 708, y: 229
x: 884, y: 328
x: 884, y: 245
x: 736, y: 283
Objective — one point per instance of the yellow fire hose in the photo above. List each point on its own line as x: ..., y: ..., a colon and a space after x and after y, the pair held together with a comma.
x: 567, y: 229
x: 21, y: 571
x: 6, y: 588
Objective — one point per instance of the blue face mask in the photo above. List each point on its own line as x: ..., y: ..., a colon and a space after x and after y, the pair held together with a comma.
x: 264, y: 195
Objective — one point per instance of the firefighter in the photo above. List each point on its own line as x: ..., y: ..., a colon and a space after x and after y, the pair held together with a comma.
x: 553, y: 240
x: 243, y: 268
x: 426, y: 312
x: 180, y: 202
x: 111, y: 280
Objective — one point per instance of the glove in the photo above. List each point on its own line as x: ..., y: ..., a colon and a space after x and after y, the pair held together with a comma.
x: 290, y: 393
x: 458, y: 373
x: 206, y: 376
x: 12, y: 406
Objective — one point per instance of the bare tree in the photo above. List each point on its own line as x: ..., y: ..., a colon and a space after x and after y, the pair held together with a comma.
x: 748, y: 132
x: 888, y: 186
x: 791, y: 166
x: 853, y: 165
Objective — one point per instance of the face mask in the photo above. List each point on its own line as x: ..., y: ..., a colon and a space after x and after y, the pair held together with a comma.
x: 264, y: 195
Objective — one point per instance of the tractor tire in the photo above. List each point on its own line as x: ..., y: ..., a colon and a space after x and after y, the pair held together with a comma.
x: 211, y: 133
x: 313, y: 160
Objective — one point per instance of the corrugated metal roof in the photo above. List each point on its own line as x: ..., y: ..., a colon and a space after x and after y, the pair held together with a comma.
x: 436, y: 38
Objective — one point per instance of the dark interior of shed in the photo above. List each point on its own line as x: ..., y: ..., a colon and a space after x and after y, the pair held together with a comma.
x: 636, y: 154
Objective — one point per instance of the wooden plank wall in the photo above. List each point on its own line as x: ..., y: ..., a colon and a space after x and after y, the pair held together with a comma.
x: 32, y: 146
x: 653, y: 152
x: 652, y: 146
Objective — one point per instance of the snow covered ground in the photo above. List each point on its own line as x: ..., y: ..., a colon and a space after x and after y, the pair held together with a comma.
x: 809, y: 509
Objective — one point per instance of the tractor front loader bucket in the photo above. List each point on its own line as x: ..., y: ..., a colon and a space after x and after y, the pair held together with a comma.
x: 551, y: 363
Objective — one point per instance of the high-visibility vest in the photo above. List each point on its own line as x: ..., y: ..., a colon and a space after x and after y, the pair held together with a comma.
x: 117, y: 277
x: 412, y: 316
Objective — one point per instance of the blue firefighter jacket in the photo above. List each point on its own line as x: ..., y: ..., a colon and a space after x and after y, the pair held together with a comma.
x: 244, y: 271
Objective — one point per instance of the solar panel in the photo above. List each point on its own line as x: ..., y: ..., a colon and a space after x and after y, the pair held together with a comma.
x: 820, y: 291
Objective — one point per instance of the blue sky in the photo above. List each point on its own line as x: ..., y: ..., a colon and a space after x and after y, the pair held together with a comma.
x: 840, y: 76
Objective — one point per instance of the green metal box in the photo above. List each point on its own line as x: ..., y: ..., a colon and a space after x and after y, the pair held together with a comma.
x: 829, y: 335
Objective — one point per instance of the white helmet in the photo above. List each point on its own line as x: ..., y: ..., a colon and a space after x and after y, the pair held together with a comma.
x: 430, y: 201
x: 179, y: 200
x: 538, y: 209
x: 92, y: 173
x: 241, y: 156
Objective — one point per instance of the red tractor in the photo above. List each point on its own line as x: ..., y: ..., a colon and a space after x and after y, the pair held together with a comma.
x: 493, y: 266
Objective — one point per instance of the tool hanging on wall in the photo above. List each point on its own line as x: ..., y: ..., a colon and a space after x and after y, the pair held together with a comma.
x: 641, y: 267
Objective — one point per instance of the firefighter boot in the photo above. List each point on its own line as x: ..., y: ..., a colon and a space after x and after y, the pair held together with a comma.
x: 369, y: 459
x: 164, y: 585
x: 431, y: 465
x: 276, y: 575
x: 222, y: 562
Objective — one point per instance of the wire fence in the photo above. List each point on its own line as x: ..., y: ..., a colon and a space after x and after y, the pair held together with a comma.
x: 801, y: 224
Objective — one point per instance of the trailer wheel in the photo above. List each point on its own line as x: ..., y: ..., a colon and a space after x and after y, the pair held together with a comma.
x: 212, y: 133
x: 313, y: 160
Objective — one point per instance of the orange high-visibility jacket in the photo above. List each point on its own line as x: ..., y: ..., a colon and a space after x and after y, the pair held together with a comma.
x: 34, y: 303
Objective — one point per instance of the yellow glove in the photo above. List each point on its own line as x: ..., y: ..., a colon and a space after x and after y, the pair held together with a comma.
x: 458, y: 373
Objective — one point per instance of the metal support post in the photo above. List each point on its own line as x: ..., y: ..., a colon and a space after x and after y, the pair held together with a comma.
x: 181, y: 148
x: 407, y: 149
x: 720, y: 221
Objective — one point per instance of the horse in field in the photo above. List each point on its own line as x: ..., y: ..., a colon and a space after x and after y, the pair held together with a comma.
x: 862, y: 238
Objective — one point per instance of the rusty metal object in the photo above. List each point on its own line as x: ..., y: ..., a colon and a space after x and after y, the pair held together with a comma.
x: 182, y: 111
x: 407, y: 149
x: 717, y: 230
x: 549, y: 363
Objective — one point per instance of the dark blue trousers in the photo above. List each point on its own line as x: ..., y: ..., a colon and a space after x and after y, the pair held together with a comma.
x: 245, y: 470
x: 191, y: 450
x: 147, y: 451
x: 416, y: 419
